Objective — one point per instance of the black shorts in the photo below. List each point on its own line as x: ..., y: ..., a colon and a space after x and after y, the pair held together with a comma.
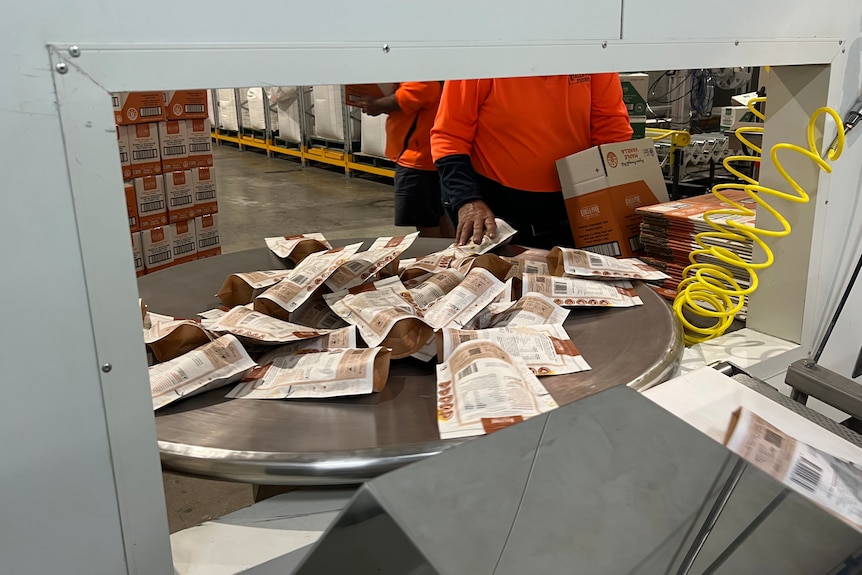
x: 417, y: 198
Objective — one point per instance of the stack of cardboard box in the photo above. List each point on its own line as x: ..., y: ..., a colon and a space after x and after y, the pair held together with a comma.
x: 166, y: 157
x: 668, y: 235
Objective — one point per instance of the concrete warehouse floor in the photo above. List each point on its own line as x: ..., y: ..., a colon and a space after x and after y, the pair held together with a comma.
x: 260, y: 197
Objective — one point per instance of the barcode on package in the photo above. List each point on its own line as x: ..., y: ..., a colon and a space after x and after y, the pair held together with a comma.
x: 806, y: 474
x: 560, y: 288
x: 207, y: 242
x: 184, y: 249
x: 469, y: 370
x: 356, y: 266
x: 635, y: 243
x: 609, y: 249
x: 772, y: 437
x: 151, y: 111
x: 115, y: 100
x: 299, y: 279
x: 139, y: 262
x: 205, y: 147
x: 596, y: 261
x: 159, y: 257
x: 124, y: 157
x: 330, y: 321
x: 195, y: 108
x: 153, y: 206
x: 145, y: 154
x: 132, y: 221
x: 174, y: 150
x: 181, y: 201
x: 205, y: 195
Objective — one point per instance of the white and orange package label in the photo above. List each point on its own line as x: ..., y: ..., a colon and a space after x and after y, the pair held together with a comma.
x: 125, y: 156
x: 138, y: 107
x: 199, y: 136
x: 481, y: 388
x: 434, y: 286
x: 432, y: 263
x: 341, y: 338
x: 261, y: 329
x: 458, y: 307
x: 362, y: 266
x: 174, y: 145
x: 327, y: 373
x: 146, y: 160
x: 242, y: 288
x: 505, y: 232
x: 150, y: 203
x: 297, y: 247
x: 570, y: 262
x: 180, y: 196
x: 546, y: 349
x: 307, y: 277
x: 575, y: 292
x: 532, y: 309
x: 206, y: 194
x: 216, y: 364
x: 208, y: 234
x: 384, y: 316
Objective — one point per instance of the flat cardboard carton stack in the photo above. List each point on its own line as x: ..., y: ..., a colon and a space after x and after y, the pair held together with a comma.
x: 603, y: 187
x: 668, y: 235
x: 165, y: 150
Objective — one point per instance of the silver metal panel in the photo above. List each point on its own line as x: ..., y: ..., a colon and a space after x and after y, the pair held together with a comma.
x: 794, y: 94
x: 347, y: 440
x: 733, y: 19
x: 205, y: 65
x: 609, y: 485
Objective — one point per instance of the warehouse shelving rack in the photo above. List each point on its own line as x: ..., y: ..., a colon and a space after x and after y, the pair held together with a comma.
x: 310, y: 148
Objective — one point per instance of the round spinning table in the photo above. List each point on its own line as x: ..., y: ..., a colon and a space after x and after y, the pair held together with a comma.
x: 349, y: 440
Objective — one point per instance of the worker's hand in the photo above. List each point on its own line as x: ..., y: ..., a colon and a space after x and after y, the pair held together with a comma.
x: 475, y: 220
x: 372, y: 106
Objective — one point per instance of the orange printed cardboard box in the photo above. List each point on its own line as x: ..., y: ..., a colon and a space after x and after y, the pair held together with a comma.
x: 209, y: 242
x: 174, y: 145
x: 184, y: 240
x: 200, y: 142
x: 125, y: 157
x: 185, y: 104
x: 144, y: 148
x: 180, y: 195
x: 603, y: 186
x: 150, y: 199
x: 138, y: 254
x: 206, y: 197
x: 131, y: 206
x: 138, y: 107
x: 355, y: 93
x: 157, y: 248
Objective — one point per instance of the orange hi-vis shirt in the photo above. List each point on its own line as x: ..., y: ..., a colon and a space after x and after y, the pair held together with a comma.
x: 418, y: 102
x: 514, y: 129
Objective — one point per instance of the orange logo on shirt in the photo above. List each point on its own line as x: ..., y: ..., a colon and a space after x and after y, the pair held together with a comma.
x: 579, y: 78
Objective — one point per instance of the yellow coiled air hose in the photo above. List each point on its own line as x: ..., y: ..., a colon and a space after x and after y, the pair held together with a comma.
x: 709, y: 290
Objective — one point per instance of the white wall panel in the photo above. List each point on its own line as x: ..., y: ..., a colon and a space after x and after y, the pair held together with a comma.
x: 736, y: 19
x: 75, y: 470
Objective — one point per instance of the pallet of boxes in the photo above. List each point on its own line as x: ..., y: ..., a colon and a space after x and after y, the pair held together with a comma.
x: 169, y: 180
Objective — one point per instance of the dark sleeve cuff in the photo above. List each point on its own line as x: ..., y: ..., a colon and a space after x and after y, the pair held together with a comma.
x: 457, y: 181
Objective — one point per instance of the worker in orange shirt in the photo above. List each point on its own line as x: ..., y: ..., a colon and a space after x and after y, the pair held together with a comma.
x: 495, y: 143
x: 412, y: 109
